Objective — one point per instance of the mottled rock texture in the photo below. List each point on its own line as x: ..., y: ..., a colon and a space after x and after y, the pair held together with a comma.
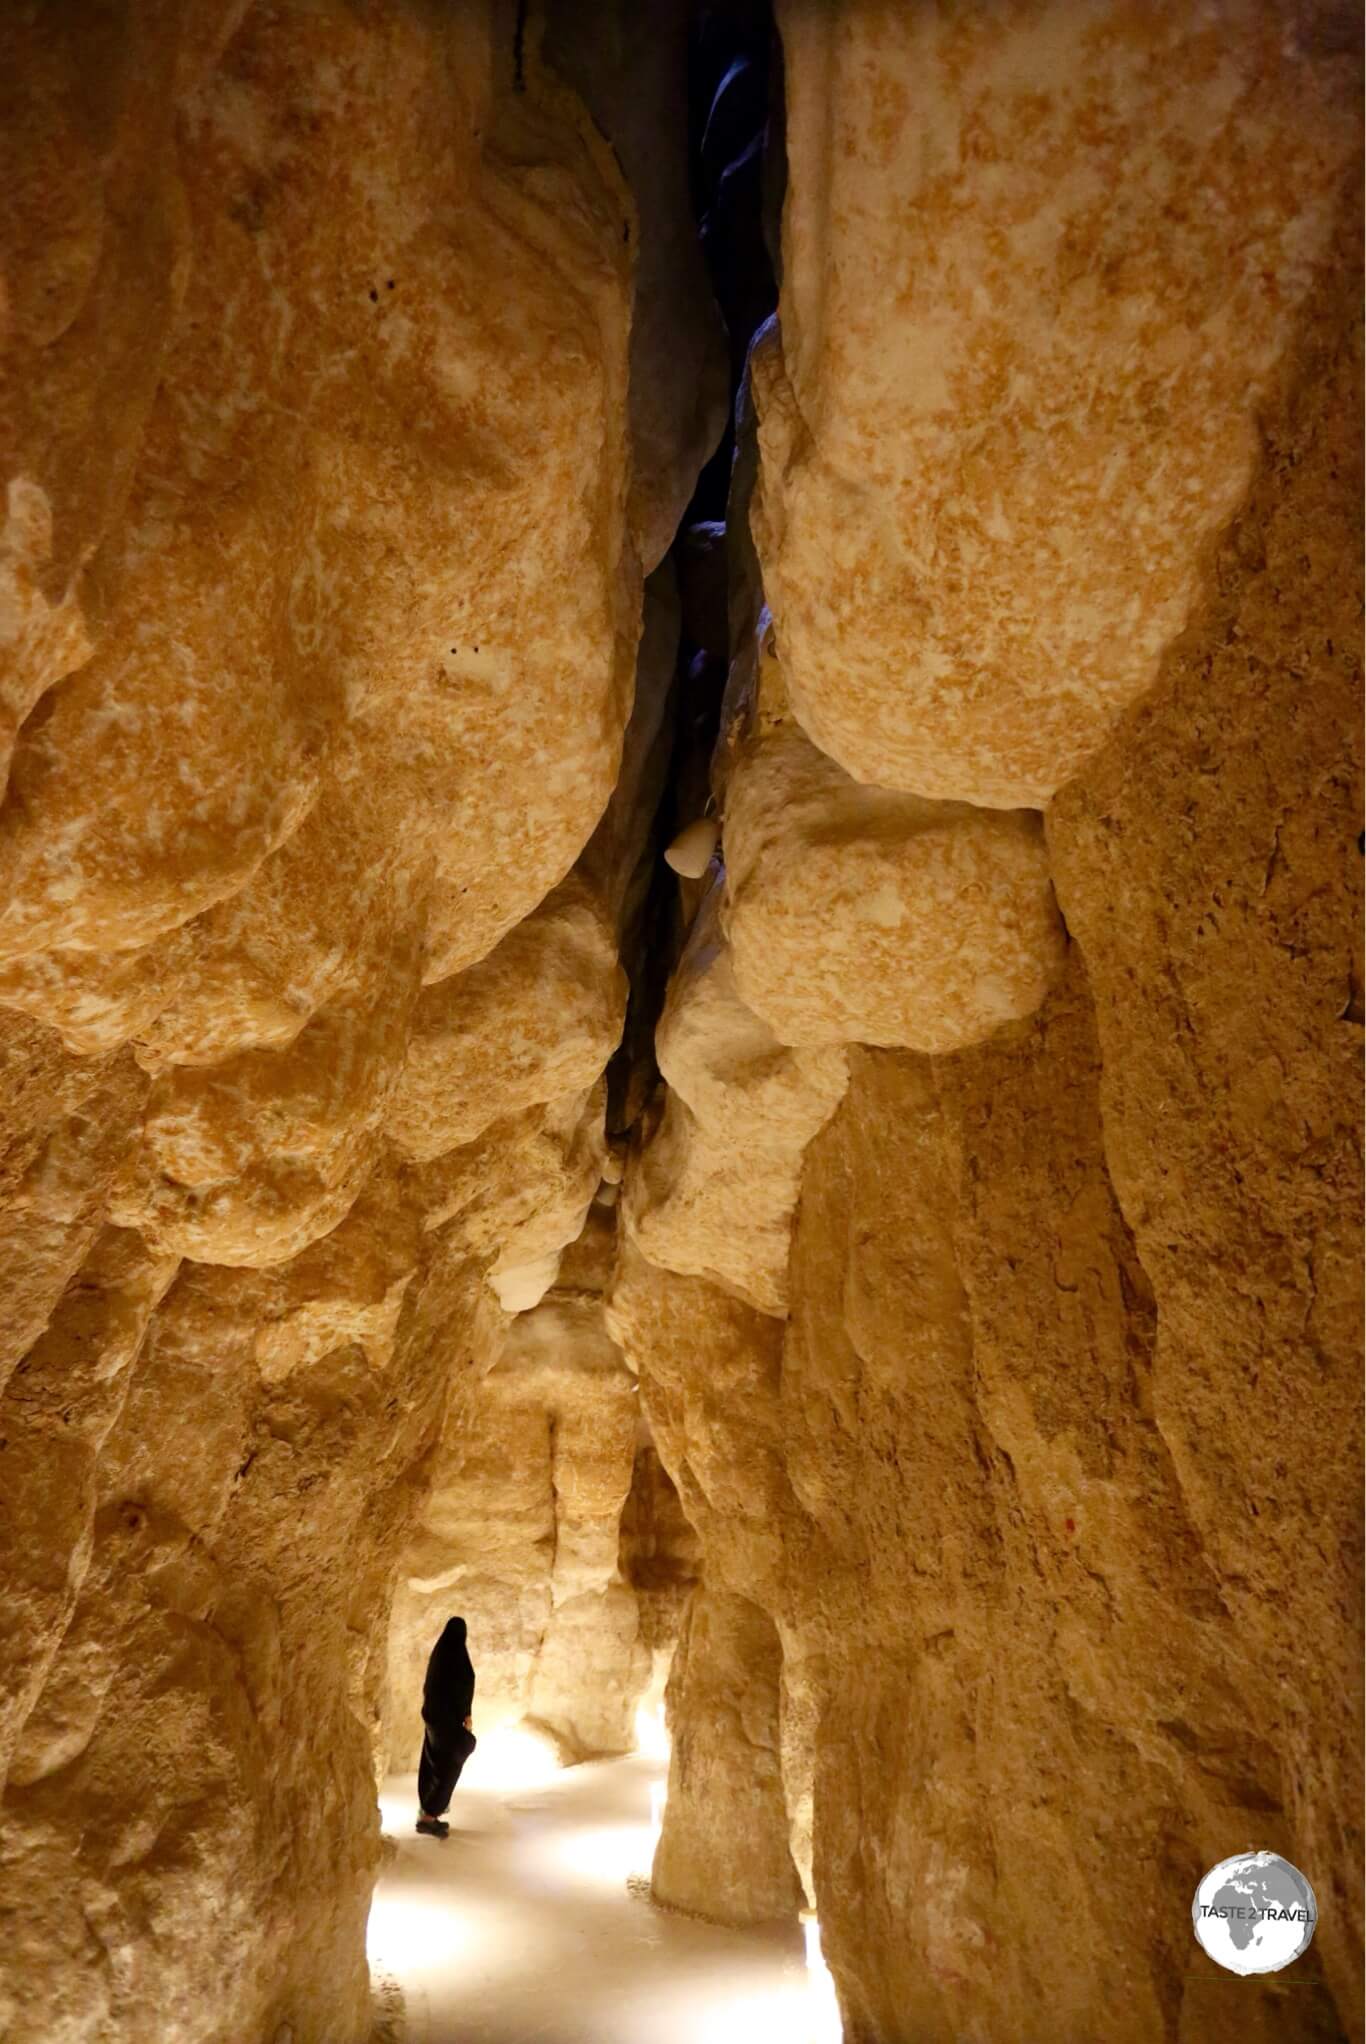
x: 1041, y: 1452
x: 320, y: 595
x: 709, y: 1382
x: 857, y: 914
x: 723, y: 1705
x: 967, y: 1366
x: 714, y: 1191
x: 521, y: 1534
x: 1210, y: 865
x: 1038, y: 271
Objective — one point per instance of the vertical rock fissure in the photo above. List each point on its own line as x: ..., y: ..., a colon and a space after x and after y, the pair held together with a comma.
x: 735, y: 176
x: 939, y: 1234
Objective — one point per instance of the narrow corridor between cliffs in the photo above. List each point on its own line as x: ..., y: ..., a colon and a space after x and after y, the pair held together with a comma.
x: 534, y: 1920
x: 680, y: 902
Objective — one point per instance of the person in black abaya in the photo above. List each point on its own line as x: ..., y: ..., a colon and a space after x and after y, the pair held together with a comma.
x: 448, y: 1740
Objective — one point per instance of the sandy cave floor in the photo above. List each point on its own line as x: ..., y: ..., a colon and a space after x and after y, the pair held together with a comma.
x: 532, y: 1924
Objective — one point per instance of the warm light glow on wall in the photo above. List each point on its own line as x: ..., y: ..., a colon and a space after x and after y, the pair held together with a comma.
x: 652, y: 1736
x: 825, y: 2025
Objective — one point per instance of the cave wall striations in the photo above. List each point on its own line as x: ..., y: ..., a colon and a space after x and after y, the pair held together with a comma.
x: 995, y: 1285
x: 320, y: 597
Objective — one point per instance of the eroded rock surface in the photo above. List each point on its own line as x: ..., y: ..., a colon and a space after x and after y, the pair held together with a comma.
x: 723, y: 1702
x: 1040, y: 1454
x: 320, y: 603
x: 858, y: 914
x: 520, y: 1531
x: 714, y: 1192
x: 957, y: 1351
x: 1226, y: 848
x: 1038, y: 275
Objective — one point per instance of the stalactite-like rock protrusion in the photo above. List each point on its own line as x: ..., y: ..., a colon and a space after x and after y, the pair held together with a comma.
x: 709, y: 1382
x: 723, y: 1701
x: 520, y: 1529
x: 713, y: 1194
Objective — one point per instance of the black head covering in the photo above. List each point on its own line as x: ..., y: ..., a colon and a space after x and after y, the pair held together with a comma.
x: 448, y: 1692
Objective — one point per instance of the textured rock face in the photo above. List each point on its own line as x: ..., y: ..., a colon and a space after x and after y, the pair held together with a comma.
x: 521, y: 1531
x: 659, y: 1557
x: 709, y: 1381
x: 1037, y: 276
x: 723, y: 1701
x: 860, y: 915
x: 319, y: 605
x: 1042, y: 1452
x: 966, y: 1370
x: 709, y: 1369
x: 540, y: 1015
x: 1230, y: 1077
x: 715, y: 1191
x: 1028, y: 1717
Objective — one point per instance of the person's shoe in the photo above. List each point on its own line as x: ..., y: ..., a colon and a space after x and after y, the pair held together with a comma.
x: 434, y: 1827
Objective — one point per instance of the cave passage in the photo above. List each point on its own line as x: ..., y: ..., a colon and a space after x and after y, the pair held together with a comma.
x: 533, y: 1922
x: 681, y: 894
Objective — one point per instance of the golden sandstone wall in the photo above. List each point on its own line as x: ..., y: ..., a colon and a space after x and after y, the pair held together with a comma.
x: 1026, y: 1011
x: 988, y: 1262
x: 320, y: 596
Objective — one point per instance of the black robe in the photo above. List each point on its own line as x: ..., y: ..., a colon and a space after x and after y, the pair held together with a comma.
x: 447, y: 1700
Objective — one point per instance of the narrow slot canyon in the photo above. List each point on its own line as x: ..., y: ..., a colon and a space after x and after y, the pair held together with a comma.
x: 680, y: 972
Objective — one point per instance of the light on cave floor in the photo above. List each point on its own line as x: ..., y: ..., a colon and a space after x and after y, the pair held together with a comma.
x: 397, y: 1812
x: 823, y: 2002
x: 414, y: 1932
x: 758, y: 2016
x: 512, y: 1757
x: 507, y: 1760
x: 563, y: 1877
x: 601, y: 1855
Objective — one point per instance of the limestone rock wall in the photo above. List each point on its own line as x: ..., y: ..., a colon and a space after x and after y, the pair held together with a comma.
x: 1230, y: 1075
x: 320, y: 599
x: 659, y: 1557
x: 967, y: 1368
x: 521, y: 1532
x: 723, y: 1703
x: 1023, y: 347
x: 1025, y: 1400
x: 709, y: 1382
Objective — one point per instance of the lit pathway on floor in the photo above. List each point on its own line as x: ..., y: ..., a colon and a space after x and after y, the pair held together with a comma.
x: 532, y: 1924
